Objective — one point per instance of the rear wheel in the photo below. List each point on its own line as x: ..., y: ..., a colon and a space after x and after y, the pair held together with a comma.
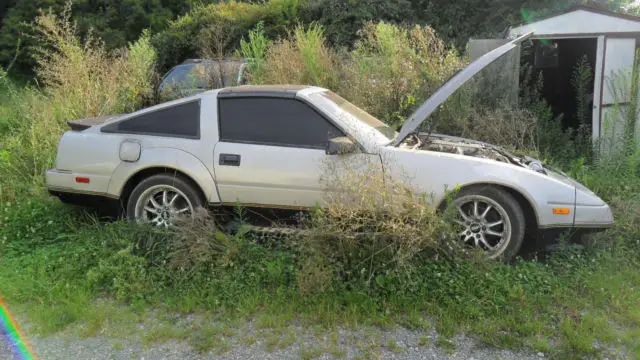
x: 161, y: 199
x: 489, y: 219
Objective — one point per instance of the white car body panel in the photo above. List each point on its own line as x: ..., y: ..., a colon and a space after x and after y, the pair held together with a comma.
x: 434, y: 173
x: 165, y: 157
x: 273, y: 175
x: 285, y: 177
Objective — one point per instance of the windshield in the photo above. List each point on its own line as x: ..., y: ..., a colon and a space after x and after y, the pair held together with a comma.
x: 361, y: 115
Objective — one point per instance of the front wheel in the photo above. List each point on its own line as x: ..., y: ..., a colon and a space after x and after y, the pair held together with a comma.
x: 160, y: 199
x: 489, y: 219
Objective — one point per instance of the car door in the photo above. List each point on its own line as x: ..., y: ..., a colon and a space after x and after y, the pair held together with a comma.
x: 272, y: 152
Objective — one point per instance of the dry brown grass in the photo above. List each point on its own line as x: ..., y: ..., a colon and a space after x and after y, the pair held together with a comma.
x: 199, y: 241
x: 393, y: 69
x: 511, y: 127
x: 83, y: 76
x: 370, y: 226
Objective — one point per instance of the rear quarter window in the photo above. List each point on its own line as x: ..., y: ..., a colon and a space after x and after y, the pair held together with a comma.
x: 182, y: 120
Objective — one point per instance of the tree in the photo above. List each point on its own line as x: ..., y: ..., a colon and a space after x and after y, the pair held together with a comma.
x: 4, y: 7
x: 17, y: 31
x: 342, y: 19
x: 184, y: 37
x: 457, y: 21
x: 115, y: 22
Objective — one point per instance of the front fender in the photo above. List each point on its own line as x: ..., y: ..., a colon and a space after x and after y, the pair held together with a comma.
x: 177, y: 159
x: 434, y: 173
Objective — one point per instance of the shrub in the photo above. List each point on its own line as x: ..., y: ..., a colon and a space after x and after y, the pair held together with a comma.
x: 393, y: 69
x: 9, y: 95
x: 343, y: 19
x: 381, y: 75
x: 304, y: 58
x: 92, y: 81
x: 200, y: 242
x: 372, y: 232
x: 505, y: 125
x: 232, y: 18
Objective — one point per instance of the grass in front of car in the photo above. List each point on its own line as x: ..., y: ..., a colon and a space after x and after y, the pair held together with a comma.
x: 54, y: 269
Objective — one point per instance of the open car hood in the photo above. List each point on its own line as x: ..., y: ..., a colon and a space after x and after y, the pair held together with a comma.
x: 446, y: 90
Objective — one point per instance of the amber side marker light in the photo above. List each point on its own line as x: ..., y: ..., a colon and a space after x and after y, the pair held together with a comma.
x: 561, y: 211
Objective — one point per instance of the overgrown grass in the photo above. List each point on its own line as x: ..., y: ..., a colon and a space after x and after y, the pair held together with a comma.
x: 80, y: 80
x: 56, y: 261
x: 56, y: 267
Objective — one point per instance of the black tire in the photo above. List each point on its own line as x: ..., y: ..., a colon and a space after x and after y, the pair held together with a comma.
x: 172, y: 180
x: 510, y: 206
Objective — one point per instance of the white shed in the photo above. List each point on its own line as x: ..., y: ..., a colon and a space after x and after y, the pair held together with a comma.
x: 608, y: 39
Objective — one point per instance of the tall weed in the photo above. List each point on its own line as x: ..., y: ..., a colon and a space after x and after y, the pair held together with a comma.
x: 303, y: 58
x: 254, y: 51
x: 80, y: 80
x: 392, y: 69
x: 372, y: 231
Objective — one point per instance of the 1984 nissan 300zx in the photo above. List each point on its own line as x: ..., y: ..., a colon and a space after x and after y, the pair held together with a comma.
x: 265, y: 145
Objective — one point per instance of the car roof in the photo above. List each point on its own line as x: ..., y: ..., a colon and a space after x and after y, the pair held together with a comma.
x: 265, y: 90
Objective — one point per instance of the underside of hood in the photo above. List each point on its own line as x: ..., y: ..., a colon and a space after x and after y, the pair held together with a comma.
x: 445, y: 91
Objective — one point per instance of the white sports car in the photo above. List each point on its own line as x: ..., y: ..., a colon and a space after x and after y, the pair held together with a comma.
x: 265, y: 145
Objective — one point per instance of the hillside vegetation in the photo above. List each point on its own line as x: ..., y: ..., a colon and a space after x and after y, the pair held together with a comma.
x: 63, y: 267
x: 176, y: 25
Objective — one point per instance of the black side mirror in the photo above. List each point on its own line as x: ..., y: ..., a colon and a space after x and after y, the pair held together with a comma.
x: 341, y: 145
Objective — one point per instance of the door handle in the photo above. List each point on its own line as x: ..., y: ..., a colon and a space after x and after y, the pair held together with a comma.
x: 229, y: 160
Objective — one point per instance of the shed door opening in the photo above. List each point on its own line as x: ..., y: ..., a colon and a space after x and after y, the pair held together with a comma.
x: 557, y: 60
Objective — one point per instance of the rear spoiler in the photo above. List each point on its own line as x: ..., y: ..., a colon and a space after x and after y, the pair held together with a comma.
x: 85, y: 123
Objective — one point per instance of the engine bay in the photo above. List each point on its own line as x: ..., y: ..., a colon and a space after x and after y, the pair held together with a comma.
x: 454, y: 145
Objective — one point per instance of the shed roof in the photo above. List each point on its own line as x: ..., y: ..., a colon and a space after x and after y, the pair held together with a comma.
x: 580, y: 21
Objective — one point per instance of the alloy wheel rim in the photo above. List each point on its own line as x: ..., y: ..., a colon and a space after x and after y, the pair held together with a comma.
x: 160, y: 205
x: 483, y: 224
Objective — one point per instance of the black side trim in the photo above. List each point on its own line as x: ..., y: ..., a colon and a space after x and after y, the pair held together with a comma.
x: 106, y: 206
x: 550, y: 236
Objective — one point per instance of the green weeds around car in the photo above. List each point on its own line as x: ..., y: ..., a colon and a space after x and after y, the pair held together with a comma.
x: 63, y: 269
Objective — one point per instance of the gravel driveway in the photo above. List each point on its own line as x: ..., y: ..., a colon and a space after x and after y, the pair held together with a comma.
x: 292, y: 342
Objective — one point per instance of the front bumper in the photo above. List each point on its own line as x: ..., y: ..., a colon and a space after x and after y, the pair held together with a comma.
x: 593, y: 217
x: 588, y: 219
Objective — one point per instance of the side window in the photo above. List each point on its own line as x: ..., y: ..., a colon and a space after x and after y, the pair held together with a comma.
x: 274, y: 121
x: 176, y: 121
